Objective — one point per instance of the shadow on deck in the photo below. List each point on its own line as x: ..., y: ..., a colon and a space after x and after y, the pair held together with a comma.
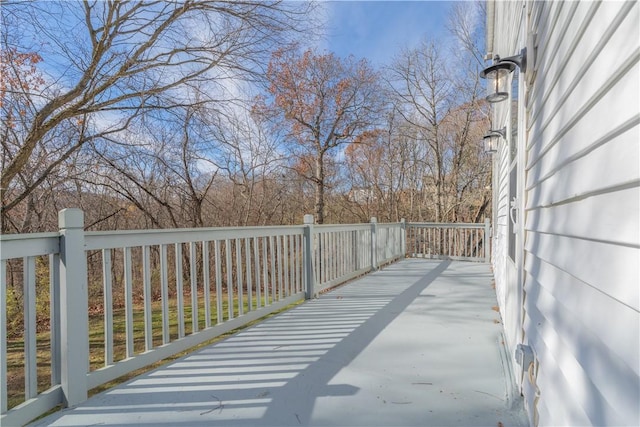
x: 415, y: 344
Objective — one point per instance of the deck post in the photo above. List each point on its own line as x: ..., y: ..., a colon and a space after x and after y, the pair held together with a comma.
x: 487, y: 240
x: 74, y: 318
x: 309, y: 284
x: 374, y: 243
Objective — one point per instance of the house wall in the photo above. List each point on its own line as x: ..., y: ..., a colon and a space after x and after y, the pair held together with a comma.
x: 508, y: 19
x: 580, y: 209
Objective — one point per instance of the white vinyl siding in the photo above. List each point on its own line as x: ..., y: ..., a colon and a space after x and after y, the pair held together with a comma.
x: 510, y: 19
x: 581, y: 209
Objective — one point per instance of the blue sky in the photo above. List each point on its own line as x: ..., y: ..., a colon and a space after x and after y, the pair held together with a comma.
x: 376, y: 30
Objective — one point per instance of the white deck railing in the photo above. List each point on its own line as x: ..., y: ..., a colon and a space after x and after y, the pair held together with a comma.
x: 457, y: 241
x: 164, y: 291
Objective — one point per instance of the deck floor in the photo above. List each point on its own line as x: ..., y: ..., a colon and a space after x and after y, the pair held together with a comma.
x: 415, y: 344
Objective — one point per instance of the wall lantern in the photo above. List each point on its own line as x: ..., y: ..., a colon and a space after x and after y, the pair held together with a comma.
x: 491, y: 140
x: 498, y: 74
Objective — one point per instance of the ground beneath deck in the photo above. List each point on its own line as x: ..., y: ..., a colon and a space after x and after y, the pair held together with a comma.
x: 415, y: 344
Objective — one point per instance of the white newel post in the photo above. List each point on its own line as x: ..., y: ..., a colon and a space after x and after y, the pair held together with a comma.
x: 74, y: 318
x: 309, y: 281
x: 374, y: 243
x: 486, y: 243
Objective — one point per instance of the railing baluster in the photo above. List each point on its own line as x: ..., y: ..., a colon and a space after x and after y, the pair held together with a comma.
x: 453, y: 239
x: 339, y: 254
x: 3, y: 337
x: 206, y: 285
x: 146, y: 292
x: 466, y: 251
x: 256, y: 260
x: 362, y: 245
x: 328, y: 260
x: 317, y: 243
x: 219, y: 307
x: 356, y: 256
x: 30, y: 345
x: 128, y: 301
x: 345, y: 252
x: 285, y: 265
x: 108, y: 307
x: 279, y: 262
x: 247, y: 256
x: 54, y: 310
x: 334, y: 260
x: 323, y: 256
x: 164, y: 294
x: 319, y: 265
x: 193, y: 279
x: 299, y: 285
x: 293, y: 264
x: 273, y: 277
x: 179, y: 290
x: 351, y: 251
x: 342, y: 253
x: 332, y: 253
x: 230, y: 302
x: 239, y: 277
x: 430, y: 243
x: 265, y: 278
x: 295, y: 251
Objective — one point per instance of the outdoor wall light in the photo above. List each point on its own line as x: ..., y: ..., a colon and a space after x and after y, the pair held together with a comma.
x: 491, y: 140
x: 498, y: 74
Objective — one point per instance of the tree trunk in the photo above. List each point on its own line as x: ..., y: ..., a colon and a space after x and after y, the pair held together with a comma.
x: 319, y: 183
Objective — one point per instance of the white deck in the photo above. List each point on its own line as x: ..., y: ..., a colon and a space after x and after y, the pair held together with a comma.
x: 415, y: 344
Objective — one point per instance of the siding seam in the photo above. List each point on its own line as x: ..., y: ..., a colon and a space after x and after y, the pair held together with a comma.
x: 620, y: 73
x: 629, y: 124
x: 572, y: 48
x: 624, y: 12
x: 553, y: 53
x: 549, y: 262
x: 588, y: 239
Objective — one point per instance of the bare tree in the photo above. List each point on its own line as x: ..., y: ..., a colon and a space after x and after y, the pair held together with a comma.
x: 443, y: 111
x: 425, y: 90
x: 247, y: 153
x: 324, y: 102
x: 107, y: 62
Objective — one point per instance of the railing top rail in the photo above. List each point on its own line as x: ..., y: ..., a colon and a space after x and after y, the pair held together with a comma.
x: 446, y: 224
x: 361, y: 226
x: 26, y: 245
x: 328, y: 228
x: 10, y: 237
x: 128, y: 238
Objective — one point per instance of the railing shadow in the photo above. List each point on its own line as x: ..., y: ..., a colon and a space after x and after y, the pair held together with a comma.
x: 270, y: 374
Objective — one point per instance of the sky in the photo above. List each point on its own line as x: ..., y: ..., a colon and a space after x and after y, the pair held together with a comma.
x: 377, y: 30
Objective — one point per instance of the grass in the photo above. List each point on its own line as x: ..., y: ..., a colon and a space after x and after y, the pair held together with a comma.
x: 15, y: 347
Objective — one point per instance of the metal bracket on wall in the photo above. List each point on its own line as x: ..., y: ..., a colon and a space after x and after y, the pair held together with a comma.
x: 524, y: 355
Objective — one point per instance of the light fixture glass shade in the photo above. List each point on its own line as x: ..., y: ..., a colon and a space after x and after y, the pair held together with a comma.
x: 490, y: 143
x: 498, y: 81
x: 491, y: 140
